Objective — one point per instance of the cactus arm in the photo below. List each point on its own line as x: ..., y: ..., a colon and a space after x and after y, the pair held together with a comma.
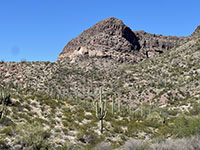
x: 104, y: 116
x: 119, y: 106
x: 100, y: 95
x: 113, y: 105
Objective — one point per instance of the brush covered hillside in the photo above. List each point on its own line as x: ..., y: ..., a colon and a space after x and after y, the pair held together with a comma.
x: 125, y: 90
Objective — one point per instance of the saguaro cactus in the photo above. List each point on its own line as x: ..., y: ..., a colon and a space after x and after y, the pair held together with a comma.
x: 101, y: 111
x: 4, y: 97
x: 113, y: 105
x: 4, y: 101
x: 119, y: 106
x: 2, y: 112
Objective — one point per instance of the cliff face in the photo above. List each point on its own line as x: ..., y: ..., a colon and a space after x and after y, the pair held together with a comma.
x: 108, y: 38
x: 112, y: 38
x: 152, y: 44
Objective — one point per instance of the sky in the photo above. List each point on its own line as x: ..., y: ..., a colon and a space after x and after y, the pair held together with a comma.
x: 38, y: 30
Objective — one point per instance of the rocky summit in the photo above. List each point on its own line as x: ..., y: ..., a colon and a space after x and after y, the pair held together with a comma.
x: 111, y: 38
x: 108, y: 38
x: 196, y: 32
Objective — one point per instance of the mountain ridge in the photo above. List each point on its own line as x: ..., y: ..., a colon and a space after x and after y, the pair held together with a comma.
x: 107, y: 37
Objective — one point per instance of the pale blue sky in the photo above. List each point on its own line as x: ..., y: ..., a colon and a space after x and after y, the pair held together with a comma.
x: 37, y: 30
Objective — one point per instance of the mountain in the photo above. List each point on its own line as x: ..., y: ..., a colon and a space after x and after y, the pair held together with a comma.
x: 111, y: 38
x: 108, y: 38
x: 197, y: 31
x: 150, y: 88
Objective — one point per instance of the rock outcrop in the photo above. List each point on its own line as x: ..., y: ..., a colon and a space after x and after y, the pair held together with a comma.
x: 152, y: 44
x: 113, y: 39
x: 108, y: 38
x: 196, y: 32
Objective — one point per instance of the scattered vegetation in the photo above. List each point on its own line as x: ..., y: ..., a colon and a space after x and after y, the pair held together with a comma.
x: 32, y: 136
x: 150, y: 105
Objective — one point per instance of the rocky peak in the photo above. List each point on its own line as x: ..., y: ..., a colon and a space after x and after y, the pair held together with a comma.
x: 112, y: 38
x: 113, y: 27
x: 108, y: 38
x: 197, y: 31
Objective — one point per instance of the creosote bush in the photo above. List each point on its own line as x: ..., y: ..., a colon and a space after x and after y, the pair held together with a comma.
x: 3, y: 144
x: 134, y: 144
x: 102, y: 146
x: 192, y: 143
x: 32, y: 136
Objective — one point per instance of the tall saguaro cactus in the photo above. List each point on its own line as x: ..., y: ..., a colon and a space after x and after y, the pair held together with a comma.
x: 113, y: 105
x: 4, y: 97
x: 2, y: 112
x: 119, y: 106
x: 101, y: 111
x: 4, y: 101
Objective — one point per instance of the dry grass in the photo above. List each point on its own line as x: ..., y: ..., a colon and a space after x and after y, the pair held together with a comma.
x: 192, y: 143
x: 103, y: 146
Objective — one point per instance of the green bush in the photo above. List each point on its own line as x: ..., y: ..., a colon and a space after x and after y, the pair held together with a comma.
x: 183, y: 126
x: 195, y: 110
x: 68, y: 146
x: 3, y: 145
x: 6, y: 122
x: 191, y: 143
x: 32, y: 136
x: 7, y: 131
x: 186, y: 126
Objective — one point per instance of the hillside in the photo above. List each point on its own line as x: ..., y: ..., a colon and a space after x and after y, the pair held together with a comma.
x: 52, y: 105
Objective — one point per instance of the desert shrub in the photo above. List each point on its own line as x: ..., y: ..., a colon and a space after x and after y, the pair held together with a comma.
x: 192, y: 143
x: 181, y: 126
x: 170, y: 144
x: 68, y: 146
x: 32, y: 136
x: 6, y: 121
x: 153, y: 123
x: 117, y: 129
x: 7, y: 131
x: 154, y: 119
x: 102, y: 146
x: 195, y: 110
x: 135, y: 145
x: 184, y: 126
x: 173, y: 112
x: 133, y: 128
x: 3, y: 145
x: 91, y: 137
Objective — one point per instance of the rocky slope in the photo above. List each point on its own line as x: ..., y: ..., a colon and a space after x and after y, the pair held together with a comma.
x: 112, y: 38
x: 52, y: 104
x: 197, y: 31
x: 152, y: 44
x: 83, y: 78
